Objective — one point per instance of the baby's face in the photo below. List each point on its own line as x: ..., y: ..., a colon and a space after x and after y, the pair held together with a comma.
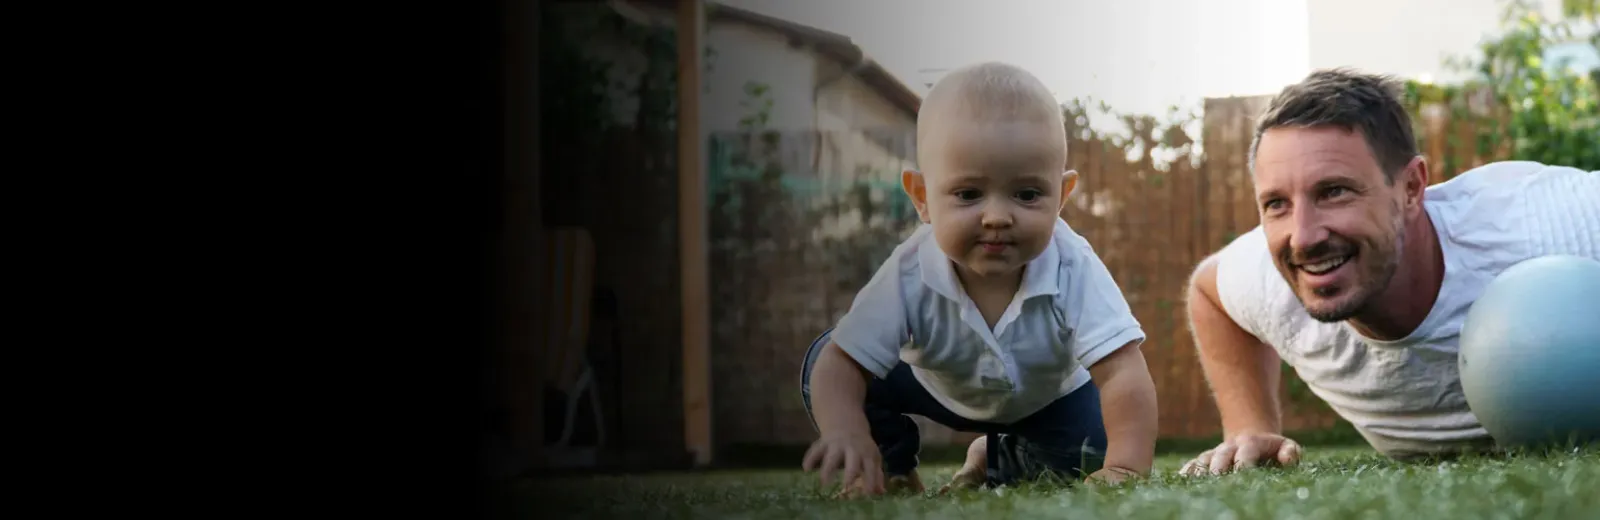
x: 994, y: 193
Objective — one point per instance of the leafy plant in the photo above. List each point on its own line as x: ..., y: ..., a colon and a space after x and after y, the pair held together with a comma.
x: 1520, y: 106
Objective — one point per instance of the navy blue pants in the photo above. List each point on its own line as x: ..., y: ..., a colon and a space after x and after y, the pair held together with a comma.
x: 1066, y: 439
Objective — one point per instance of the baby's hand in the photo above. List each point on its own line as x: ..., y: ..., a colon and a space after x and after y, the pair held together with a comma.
x: 856, y: 453
x: 1111, y: 476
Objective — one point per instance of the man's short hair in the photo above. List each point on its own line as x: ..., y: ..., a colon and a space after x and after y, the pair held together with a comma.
x: 1348, y: 99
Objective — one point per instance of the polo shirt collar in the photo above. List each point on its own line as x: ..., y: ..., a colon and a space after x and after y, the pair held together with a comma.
x: 1039, y: 278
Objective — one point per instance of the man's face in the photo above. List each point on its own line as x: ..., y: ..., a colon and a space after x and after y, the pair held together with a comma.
x: 993, y: 194
x: 1333, y: 222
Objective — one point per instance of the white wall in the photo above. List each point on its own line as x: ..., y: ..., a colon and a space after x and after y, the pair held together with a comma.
x: 863, y: 127
x: 744, y: 53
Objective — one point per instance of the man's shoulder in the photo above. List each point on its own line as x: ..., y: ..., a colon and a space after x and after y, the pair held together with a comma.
x: 1245, y: 258
x: 1245, y: 255
x: 1249, y: 288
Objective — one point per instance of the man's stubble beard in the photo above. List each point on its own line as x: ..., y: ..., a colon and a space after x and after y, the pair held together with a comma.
x: 1377, y: 279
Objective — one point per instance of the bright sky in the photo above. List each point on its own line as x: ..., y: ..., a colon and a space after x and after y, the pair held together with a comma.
x: 1137, y: 55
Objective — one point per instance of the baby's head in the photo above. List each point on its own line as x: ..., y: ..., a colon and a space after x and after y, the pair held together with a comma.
x: 992, y: 149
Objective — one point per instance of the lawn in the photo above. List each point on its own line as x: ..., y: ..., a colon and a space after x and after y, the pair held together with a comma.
x: 1332, y: 483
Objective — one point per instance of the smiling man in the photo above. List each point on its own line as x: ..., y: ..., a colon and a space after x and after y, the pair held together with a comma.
x: 1360, y: 273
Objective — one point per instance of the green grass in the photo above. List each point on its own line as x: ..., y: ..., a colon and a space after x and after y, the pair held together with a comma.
x: 1332, y: 483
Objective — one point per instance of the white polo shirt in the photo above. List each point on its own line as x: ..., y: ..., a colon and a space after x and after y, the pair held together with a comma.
x: 1405, y: 395
x: 1066, y: 316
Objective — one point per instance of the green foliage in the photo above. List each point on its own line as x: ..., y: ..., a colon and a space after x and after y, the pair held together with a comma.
x: 1580, y: 8
x: 1154, y: 141
x: 1538, y: 111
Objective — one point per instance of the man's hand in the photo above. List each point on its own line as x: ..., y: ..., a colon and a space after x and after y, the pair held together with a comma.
x: 856, y: 454
x: 1245, y: 451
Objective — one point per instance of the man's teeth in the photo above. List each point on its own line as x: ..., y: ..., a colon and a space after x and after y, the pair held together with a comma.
x: 1324, y: 267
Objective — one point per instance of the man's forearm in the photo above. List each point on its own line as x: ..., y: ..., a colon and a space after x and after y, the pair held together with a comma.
x: 1243, y: 373
x: 838, y: 390
x: 1246, y: 399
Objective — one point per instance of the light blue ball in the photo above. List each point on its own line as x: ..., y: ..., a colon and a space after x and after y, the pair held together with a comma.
x: 1530, y: 353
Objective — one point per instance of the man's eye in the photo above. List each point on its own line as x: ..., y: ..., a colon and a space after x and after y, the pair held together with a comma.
x: 1335, y: 191
x: 1273, y: 205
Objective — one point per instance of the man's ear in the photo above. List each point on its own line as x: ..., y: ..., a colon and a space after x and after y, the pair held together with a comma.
x: 912, y: 182
x: 1414, y: 178
x: 1069, y: 181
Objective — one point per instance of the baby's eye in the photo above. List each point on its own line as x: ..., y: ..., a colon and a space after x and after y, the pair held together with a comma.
x: 1029, y: 195
x: 968, y: 195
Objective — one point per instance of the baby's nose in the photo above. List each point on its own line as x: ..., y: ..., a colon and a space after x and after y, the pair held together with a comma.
x: 996, y: 217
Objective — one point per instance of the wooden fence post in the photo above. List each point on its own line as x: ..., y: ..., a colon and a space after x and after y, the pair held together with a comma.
x: 694, y: 244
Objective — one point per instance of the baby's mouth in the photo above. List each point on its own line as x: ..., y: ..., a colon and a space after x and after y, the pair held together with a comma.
x: 994, y: 246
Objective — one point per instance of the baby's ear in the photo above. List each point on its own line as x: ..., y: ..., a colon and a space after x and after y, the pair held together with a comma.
x: 912, y: 182
x: 1069, y: 181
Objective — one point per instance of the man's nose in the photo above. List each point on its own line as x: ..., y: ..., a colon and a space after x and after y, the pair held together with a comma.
x: 1308, y: 230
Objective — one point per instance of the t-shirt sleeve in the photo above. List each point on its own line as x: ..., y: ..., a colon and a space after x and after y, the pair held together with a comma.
x: 875, y: 327
x: 1244, y: 268
x: 1098, y: 313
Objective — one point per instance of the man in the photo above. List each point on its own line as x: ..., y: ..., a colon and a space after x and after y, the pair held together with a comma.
x: 1360, y: 274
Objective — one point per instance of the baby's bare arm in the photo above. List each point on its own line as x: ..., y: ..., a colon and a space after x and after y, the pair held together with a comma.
x: 1128, y: 405
x: 838, y: 391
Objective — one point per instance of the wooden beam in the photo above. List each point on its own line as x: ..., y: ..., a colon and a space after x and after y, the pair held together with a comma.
x: 693, y: 237
x: 522, y: 236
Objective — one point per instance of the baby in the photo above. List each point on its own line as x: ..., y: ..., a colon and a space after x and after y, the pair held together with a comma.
x: 994, y: 317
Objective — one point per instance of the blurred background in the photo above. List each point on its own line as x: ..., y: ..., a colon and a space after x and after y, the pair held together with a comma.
x: 685, y: 287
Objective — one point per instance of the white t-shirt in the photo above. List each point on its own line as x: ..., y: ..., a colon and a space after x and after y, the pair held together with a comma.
x: 1067, y: 315
x: 1405, y: 396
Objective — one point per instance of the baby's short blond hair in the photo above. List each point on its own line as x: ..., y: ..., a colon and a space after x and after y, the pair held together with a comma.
x: 987, y: 92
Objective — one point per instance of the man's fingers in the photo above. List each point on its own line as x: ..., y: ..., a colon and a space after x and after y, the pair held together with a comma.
x: 1289, y: 453
x: 1222, y: 459
x: 1197, y: 466
x: 1248, y: 455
